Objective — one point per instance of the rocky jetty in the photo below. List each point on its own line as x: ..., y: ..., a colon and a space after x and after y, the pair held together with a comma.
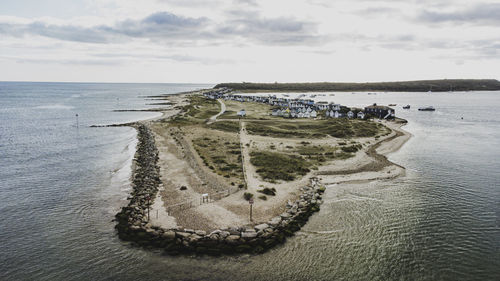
x: 132, y: 220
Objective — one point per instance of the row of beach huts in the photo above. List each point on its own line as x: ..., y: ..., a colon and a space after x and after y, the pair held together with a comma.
x: 303, y: 108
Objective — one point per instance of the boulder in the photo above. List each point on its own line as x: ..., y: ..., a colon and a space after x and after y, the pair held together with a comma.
x: 275, y: 221
x: 168, y: 235
x: 183, y: 235
x: 233, y: 239
x: 200, y: 232
x: 261, y: 226
x: 249, y: 234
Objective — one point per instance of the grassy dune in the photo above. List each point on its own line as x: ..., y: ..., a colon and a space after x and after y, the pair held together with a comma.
x: 403, y: 86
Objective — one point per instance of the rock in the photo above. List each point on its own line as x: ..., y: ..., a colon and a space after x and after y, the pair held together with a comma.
x: 285, y: 216
x: 224, y: 234
x: 188, y: 230
x: 275, y: 221
x: 261, y: 226
x: 194, y: 238
x: 313, y: 201
x: 215, y: 236
x: 233, y: 239
x: 183, y: 235
x: 200, y: 232
x: 249, y: 234
x: 233, y: 231
x: 168, y: 235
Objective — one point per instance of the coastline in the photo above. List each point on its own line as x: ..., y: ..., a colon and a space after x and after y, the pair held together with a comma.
x: 132, y: 225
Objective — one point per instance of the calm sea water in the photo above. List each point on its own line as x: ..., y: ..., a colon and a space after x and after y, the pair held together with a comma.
x: 61, y: 186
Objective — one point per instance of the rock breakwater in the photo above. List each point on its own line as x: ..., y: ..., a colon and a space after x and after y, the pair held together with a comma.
x: 133, y: 225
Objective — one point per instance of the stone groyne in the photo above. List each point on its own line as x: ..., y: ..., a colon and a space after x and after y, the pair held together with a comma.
x: 132, y: 220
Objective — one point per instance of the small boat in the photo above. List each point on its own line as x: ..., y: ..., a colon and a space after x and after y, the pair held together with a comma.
x: 427, y: 108
x: 331, y: 95
x: 392, y: 104
x: 406, y: 106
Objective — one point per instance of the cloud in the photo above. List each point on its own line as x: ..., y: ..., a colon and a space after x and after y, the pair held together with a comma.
x: 269, y: 31
x: 158, y: 25
x: 173, y: 29
x: 479, y: 14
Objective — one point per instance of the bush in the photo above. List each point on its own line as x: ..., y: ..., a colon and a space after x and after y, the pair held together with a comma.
x: 241, y: 185
x: 351, y: 148
x: 268, y: 191
x: 263, y: 197
x: 247, y: 196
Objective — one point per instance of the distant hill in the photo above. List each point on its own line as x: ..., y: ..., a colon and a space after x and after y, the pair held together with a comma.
x: 402, y: 86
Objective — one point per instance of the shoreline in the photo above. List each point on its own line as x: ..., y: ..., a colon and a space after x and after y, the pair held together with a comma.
x: 181, y: 240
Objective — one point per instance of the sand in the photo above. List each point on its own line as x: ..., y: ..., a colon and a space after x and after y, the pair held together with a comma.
x: 181, y: 166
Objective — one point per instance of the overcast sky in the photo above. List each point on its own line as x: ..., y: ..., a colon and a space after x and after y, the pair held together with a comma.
x: 248, y: 40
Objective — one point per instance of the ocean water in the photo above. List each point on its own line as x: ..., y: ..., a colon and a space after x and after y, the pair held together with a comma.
x: 61, y: 186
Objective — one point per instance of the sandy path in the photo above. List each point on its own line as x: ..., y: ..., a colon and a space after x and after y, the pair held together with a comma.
x: 222, y: 110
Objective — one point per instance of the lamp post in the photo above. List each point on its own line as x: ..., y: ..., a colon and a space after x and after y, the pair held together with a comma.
x: 251, y: 204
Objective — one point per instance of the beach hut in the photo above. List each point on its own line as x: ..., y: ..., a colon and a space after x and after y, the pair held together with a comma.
x: 242, y: 113
x: 361, y: 115
x: 314, y: 114
x: 350, y: 114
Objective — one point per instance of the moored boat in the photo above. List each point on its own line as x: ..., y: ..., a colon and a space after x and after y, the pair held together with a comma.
x: 406, y: 106
x: 427, y: 108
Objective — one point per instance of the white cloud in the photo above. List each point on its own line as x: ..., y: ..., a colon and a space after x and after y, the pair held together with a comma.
x: 252, y: 40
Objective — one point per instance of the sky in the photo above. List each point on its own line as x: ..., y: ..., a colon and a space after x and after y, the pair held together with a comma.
x: 212, y: 41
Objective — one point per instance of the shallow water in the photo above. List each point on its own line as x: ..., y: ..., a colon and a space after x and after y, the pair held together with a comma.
x: 62, y: 185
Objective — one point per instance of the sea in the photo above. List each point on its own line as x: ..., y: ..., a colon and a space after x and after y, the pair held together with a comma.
x: 62, y: 182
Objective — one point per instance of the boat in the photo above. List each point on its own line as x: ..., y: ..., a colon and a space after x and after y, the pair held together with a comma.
x: 392, y: 104
x: 406, y: 106
x: 331, y: 95
x: 427, y: 108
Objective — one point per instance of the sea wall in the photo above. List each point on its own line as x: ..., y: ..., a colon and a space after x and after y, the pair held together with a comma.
x: 132, y: 220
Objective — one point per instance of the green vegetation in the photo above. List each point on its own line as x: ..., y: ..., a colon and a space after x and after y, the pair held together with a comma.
x: 263, y: 197
x: 274, y: 166
x: 268, y: 191
x: 227, y: 126
x: 200, y: 107
x: 339, y: 128
x: 402, y: 86
x: 222, y: 155
x: 352, y: 148
x: 247, y: 195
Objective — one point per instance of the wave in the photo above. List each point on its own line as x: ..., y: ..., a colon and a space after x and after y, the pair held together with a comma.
x: 55, y: 106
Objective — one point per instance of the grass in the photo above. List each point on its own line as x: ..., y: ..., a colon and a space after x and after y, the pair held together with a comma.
x: 401, y: 86
x: 226, y: 126
x: 273, y: 166
x: 319, y: 154
x: 339, y: 128
x: 222, y: 155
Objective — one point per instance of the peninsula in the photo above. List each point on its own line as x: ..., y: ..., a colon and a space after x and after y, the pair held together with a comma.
x: 402, y: 86
x: 222, y: 173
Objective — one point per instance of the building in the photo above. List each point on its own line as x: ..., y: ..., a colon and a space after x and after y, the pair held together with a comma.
x: 242, y: 113
x: 380, y: 111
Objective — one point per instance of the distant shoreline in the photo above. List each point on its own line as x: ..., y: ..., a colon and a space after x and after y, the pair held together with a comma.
x: 444, y: 85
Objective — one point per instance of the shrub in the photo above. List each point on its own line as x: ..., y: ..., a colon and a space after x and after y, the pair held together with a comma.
x: 263, y: 197
x: 268, y: 191
x: 247, y: 196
